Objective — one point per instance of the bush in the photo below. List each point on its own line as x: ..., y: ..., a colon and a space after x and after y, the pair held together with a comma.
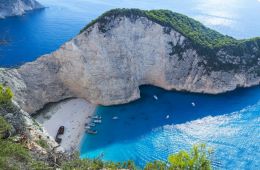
x: 156, y: 165
x: 42, y: 143
x: 4, y: 126
x: 6, y: 96
x: 12, y: 155
x: 95, y: 164
x: 197, y: 159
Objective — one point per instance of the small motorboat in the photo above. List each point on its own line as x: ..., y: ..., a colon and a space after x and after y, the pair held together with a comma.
x: 87, y: 127
x: 92, y: 124
x: 115, y: 118
x: 167, y: 117
x: 93, y: 132
x: 193, y: 104
x: 155, y: 97
x: 97, y: 117
x: 97, y: 121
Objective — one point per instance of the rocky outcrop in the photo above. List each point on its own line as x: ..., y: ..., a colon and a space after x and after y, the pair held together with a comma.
x: 17, y: 7
x: 26, y: 132
x: 112, y: 57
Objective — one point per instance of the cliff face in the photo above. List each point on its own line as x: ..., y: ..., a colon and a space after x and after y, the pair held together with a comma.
x: 17, y: 7
x: 107, y: 63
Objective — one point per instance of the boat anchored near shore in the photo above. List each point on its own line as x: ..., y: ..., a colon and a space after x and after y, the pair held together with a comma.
x: 93, y: 132
x: 95, y: 120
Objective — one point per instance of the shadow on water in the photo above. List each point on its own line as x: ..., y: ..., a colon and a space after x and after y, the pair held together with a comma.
x: 142, y: 116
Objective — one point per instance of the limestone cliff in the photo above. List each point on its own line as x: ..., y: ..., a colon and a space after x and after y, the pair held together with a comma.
x: 17, y: 7
x: 123, y: 49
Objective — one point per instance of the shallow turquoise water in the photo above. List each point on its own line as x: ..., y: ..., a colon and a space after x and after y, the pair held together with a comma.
x: 230, y: 123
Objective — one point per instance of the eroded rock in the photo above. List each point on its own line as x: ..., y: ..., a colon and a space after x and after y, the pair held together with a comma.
x: 108, y: 66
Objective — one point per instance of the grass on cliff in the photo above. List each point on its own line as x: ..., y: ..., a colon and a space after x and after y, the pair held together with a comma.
x: 12, y: 155
x: 15, y: 155
x: 42, y: 143
x: 206, y: 40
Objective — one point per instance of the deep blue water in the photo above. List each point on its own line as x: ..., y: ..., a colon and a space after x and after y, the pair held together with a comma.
x: 229, y: 122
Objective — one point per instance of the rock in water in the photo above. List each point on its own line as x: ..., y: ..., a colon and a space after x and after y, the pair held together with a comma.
x: 17, y: 7
x: 125, y: 48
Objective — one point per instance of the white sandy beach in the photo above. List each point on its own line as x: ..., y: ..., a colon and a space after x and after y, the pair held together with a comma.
x: 72, y: 114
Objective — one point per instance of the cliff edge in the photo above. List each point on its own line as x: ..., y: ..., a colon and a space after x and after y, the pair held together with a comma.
x: 17, y: 7
x: 125, y: 48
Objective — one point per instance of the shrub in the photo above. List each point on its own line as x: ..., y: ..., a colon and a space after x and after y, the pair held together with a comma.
x: 12, y: 155
x: 6, y: 96
x: 95, y: 164
x: 156, y: 165
x: 4, y: 126
x: 197, y: 159
x: 42, y: 143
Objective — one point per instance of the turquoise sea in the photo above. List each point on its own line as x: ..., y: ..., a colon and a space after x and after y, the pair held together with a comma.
x: 150, y: 129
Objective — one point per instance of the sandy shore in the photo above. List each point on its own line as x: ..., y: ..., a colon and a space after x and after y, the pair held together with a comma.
x: 72, y: 114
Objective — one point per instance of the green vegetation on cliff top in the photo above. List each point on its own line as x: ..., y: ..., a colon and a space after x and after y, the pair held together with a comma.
x: 199, y: 35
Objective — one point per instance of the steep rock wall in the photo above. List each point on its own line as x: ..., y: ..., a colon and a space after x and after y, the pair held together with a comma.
x: 107, y: 67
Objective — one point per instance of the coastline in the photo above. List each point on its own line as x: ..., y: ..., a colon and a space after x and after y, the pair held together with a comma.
x: 72, y: 114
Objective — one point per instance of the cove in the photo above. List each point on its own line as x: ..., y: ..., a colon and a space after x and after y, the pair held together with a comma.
x: 150, y: 129
x: 228, y: 122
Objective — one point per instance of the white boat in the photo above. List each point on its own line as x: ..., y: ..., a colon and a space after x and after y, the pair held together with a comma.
x: 97, y: 121
x: 92, y: 124
x: 167, y: 117
x: 115, y: 118
x: 97, y: 117
x: 155, y: 97
x: 91, y: 131
x: 193, y: 104
x: 87, y: 127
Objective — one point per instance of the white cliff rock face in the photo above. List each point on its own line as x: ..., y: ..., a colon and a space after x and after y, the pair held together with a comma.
x: 17, y: 7
x: 108, y: 68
